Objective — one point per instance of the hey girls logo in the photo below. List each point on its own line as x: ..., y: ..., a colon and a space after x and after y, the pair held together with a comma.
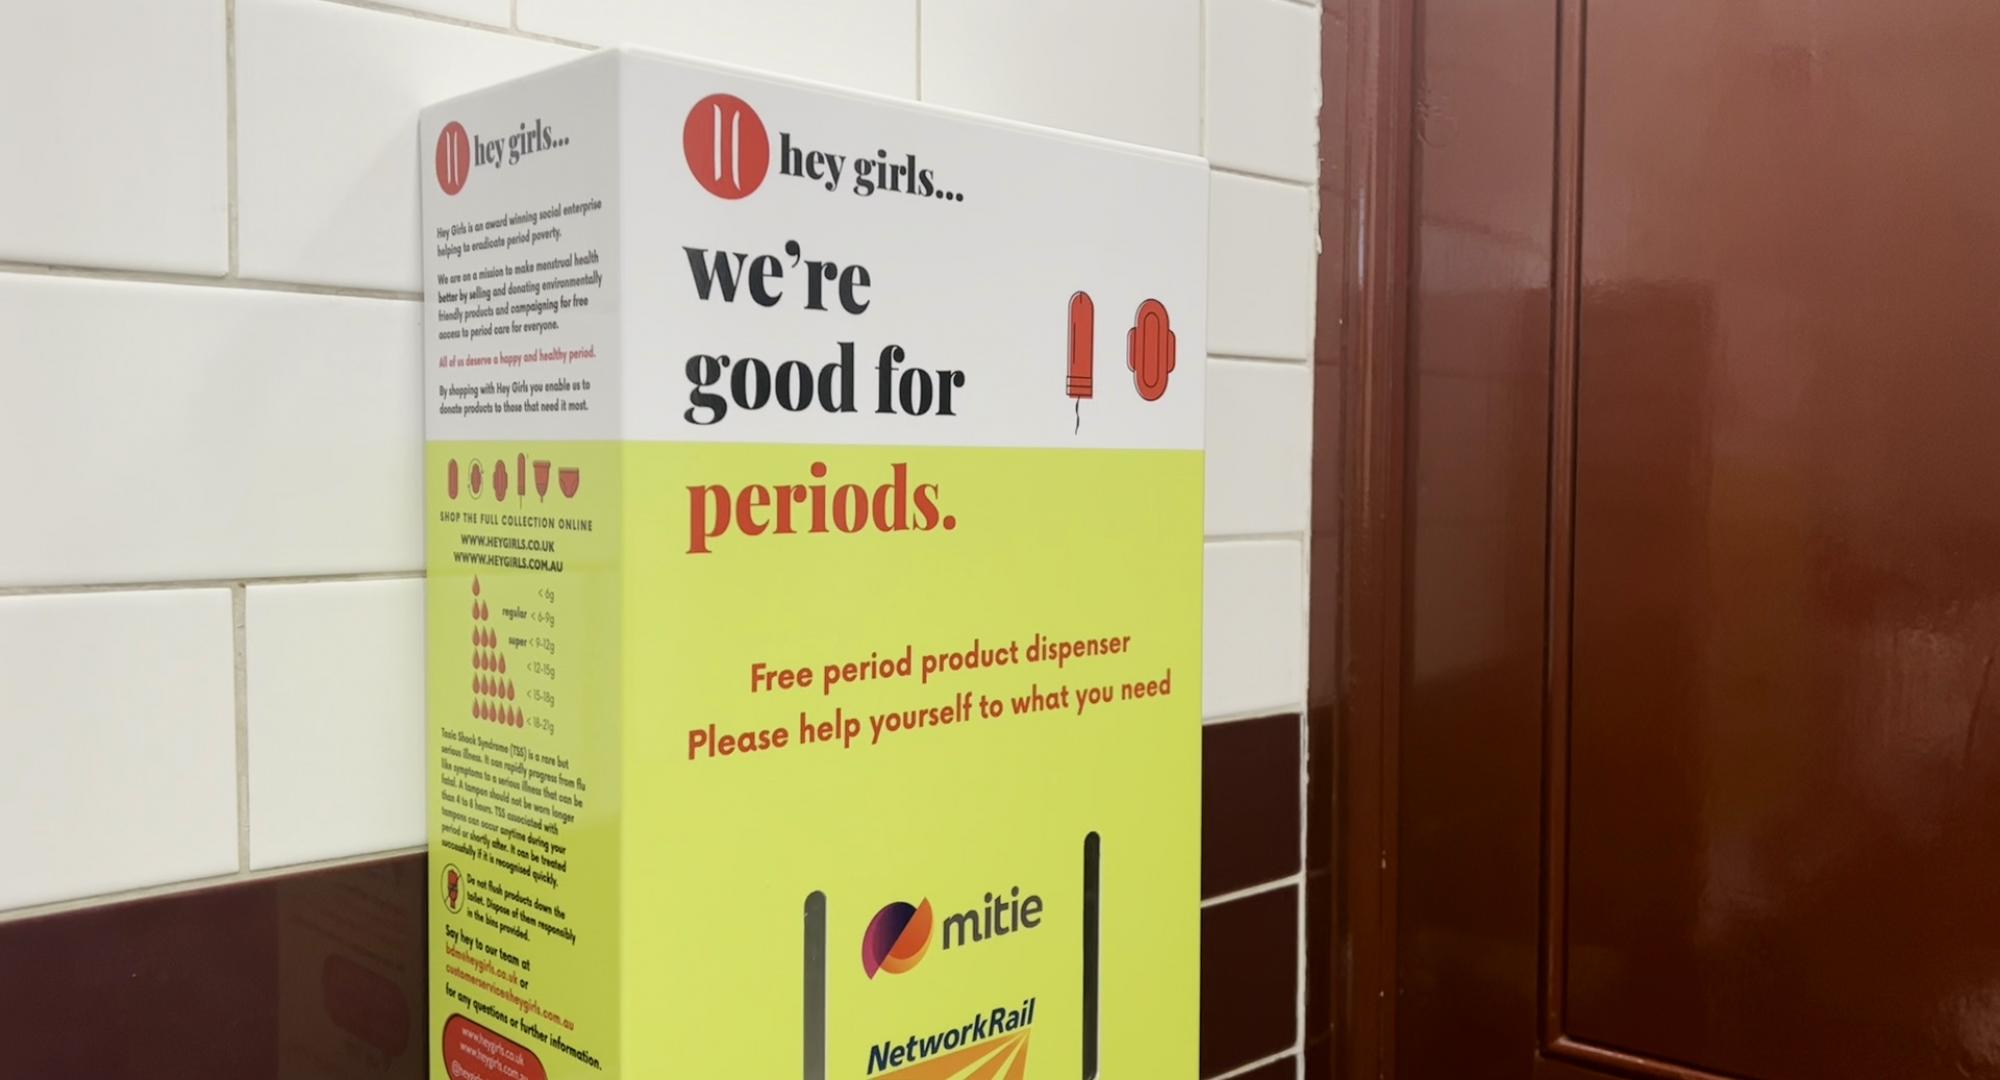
x: 729, y: 153
x: 459, y: 151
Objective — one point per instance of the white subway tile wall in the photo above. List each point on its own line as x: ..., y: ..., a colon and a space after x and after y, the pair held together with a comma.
x: 490, y: 12
x: 119, y: 710
x: 223, y: 425
x: 335, y: 696
x: 1259, y: 447
x: 860, y: 44
x: 326, y: 133
x: 1260, y: 52
x: 200, y: 433
x: 91, y: 178
x: 1124, y: 69
x: 1253, y: 632
x: 1261, y: 259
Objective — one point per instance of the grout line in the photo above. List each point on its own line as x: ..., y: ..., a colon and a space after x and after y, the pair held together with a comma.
x: 1253, y: 537
x: 1306, y: 961
x: 1226, y: 170
x: 207, y: 583
x: 1242, y: 1070
x: 229, y: 112
x: 85, y: 903
x: 468, y: 24
x: 920, y: 49
x: 1298, y: 878
x: 1239, y: 358
x: 238, y: 603
x: 1216, y: 719
x: 149, y: 277
x: 514, y: 15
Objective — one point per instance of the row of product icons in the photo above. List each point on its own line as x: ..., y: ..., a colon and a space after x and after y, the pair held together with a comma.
x: 480, y: 477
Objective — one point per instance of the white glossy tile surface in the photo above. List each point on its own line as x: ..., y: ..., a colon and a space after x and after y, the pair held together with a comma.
x: 184, y: 432
x: 492, y: 12
x: 862, y: 44
x: 1259, y: 447
x: 336, y: 708
x: 1124, y: 69
x: 1263, y: 87
x: 116, y: 124
x: 1253, y: 633
x: 1261, y: 259
x: 326, y: 147
x: 119, y: 714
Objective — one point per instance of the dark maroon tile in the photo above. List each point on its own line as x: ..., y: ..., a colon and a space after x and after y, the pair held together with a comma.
x: 319, y: 974
x: 1249, y: 979
x: 1249, y: 803
x: 1320, y: 840
x: 1285, y: 1068
x: 1320, y: 969
x: 1319, y: 1059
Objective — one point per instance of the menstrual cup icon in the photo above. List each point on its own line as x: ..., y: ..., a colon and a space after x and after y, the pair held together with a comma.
x: 568, y: 480
x: 542, y: 480
x: 1150, y: 349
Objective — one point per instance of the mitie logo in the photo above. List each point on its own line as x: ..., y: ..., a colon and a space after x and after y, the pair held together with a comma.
x: 897, y: 937
x: 900, y: 935
x: 459, y: 152
x: 727, y: 149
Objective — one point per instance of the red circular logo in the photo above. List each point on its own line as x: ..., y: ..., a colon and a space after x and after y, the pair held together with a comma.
x: 727, y: 149
x: 454, y: 158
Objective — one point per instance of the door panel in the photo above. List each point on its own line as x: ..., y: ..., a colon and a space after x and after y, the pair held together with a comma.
x: 1699, y: 766
x: 1784, y: 844
x: 1478, y: 459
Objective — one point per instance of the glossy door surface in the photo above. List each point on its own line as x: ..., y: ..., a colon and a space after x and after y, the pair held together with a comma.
x: 1699, y: 744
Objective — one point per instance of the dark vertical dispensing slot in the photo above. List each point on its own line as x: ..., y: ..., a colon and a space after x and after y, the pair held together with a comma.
x: 1090, y: 954
x: 815, y: 987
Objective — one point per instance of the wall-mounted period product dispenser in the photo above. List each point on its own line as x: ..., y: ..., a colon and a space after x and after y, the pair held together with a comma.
x: 814, y: 530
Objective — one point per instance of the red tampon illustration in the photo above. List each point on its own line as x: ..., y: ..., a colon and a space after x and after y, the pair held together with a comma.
x: 1150, y: 350
x: 1082, y: 351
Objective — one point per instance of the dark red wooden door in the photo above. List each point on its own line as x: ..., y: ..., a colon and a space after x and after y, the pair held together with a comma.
x: 1697, y: 746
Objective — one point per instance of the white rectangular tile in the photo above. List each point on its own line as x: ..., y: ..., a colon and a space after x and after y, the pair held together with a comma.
x: 326, y: 133
x: 1124, y: 69
x: 117, y: 126
x: 186, y: 432
x: 1253, y: 627
x: 119, y: 713
x: 493, y: 12
x: 1261, y: 257
x: 1259, y: 447
x: 336, y: 705
x: 863, y: 44
x: 1263, y: 87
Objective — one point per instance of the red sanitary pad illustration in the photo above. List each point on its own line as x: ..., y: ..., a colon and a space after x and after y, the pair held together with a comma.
x: 1150, y: 349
